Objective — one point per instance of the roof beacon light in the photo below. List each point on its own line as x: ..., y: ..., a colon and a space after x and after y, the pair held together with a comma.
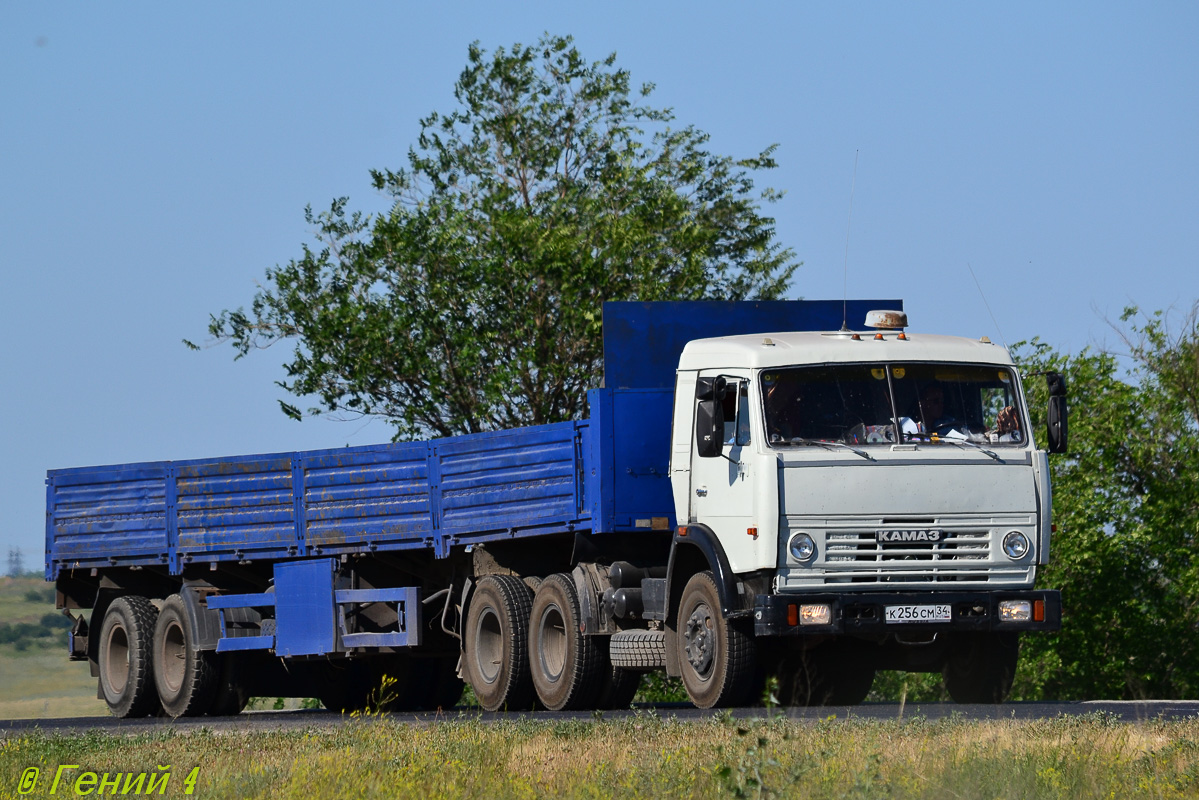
x: 887, y: 320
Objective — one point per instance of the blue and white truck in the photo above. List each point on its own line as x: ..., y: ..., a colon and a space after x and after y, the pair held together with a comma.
x: 757, y: 491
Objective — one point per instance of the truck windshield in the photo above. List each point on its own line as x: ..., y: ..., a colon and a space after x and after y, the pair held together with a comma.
x: 864, y: 404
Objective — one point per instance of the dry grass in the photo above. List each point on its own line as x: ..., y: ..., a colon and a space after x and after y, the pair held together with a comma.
x: 645, y: 756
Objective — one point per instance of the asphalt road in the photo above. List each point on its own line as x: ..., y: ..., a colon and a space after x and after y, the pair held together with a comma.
x: 1125, y: 711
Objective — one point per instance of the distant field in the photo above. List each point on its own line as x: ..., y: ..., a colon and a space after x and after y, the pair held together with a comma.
x: 641, y: 756
x: 36, y: 679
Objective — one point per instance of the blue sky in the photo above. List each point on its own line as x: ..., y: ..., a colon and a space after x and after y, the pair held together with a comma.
x: 155, y: 160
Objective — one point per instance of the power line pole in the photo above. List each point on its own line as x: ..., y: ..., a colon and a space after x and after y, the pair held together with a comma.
x: 15, y: 562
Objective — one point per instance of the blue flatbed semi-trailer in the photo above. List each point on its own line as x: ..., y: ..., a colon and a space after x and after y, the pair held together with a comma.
x: 538, y: 563
x: 607, y: 473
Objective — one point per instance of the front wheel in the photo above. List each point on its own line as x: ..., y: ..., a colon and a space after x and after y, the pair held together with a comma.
x: 981, y: 666
x: 717, y: 657
x: 834, y: 674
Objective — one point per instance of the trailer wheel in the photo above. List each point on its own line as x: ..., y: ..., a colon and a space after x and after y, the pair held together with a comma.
x: 496, y: 641
x: 344, y: 685
x: 422, y: 684
x: 186, y: 678
x: 126, y: 663
x: 981, y: 666
x: 716, y: 656
x: 566, y: 664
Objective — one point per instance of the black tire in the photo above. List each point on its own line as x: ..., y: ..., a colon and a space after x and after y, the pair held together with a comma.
x: 981, y: 667
x: 618, y: 688
x: 566, y: 665
x: 230, y: 696
x: 186, y: 678
x: 496, y: 643
x: 716, y: 657
x: 835, y: 674
x: 126, y: 663
x: 344, y: 686
x: 423, y: 684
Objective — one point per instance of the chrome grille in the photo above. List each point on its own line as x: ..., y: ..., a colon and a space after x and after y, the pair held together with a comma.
x: 856, y: 557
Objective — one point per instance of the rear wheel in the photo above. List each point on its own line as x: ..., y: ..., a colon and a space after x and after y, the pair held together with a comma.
x: 566, y: 665
x: 618, y: 687
x: 716, y: 656
x: 496, y: 643
x: 126, y: 660
x: 186, y: 678
x: 231, y: 695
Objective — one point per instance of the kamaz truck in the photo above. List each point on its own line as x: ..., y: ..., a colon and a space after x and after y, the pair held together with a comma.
x: 760, y: 489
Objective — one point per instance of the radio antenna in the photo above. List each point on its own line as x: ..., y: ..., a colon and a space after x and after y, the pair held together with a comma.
x: 983, y: 295
x: 845, y: 269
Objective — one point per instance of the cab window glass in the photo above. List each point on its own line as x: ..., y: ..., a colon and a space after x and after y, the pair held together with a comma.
x: 736, y: 413
x: 888, y: 403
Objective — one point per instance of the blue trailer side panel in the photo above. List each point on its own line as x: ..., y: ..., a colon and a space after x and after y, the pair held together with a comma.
x: 368, y: 498
x: 103, y: 515
x: 236, y: 508
x: 459, y: 490
x: 510, y: 483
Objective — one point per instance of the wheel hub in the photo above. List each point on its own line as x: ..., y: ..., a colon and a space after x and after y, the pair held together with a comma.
x: 699, y: 641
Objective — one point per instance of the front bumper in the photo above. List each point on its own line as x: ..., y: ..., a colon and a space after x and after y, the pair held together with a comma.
x: 865, y: 612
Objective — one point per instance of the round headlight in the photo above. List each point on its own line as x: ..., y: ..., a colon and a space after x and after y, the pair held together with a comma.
x: 1015, y: 544
x: 802, y: 547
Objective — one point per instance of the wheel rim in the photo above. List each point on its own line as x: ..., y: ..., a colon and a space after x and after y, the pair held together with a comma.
x: 551, y: 637
x: 489, y: 645
x: 172, y: 657
x: 700, y: 640
x: 116, y: 660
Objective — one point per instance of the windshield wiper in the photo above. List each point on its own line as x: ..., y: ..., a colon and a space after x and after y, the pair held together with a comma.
x: 968, y: 443
x: 822, y: 443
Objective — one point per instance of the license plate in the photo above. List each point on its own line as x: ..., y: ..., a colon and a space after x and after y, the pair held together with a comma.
x: 937, y: 613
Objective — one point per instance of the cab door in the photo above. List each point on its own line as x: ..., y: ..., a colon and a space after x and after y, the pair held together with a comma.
x: 722, y: 489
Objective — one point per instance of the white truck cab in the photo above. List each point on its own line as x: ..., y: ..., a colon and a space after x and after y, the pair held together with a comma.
x: 879, y: 490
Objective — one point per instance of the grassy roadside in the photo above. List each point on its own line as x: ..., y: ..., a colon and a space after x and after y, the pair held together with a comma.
x: 37, y: 681
x: 646, y: 756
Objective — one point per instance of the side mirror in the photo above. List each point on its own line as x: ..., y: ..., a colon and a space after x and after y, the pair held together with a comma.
x: 709, y: 417
x: 1059, y: 412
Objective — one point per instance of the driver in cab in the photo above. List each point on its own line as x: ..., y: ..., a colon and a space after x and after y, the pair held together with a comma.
x: 932, y: 410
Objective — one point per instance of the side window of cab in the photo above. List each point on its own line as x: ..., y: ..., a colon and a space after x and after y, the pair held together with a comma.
x: 736, y: 413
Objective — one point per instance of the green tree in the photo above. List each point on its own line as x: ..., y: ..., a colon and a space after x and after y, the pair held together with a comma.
x: 475, y: 304
x: 1126, y: 505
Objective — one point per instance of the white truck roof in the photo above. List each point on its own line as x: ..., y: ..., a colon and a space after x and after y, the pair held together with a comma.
x: 769, y: 350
